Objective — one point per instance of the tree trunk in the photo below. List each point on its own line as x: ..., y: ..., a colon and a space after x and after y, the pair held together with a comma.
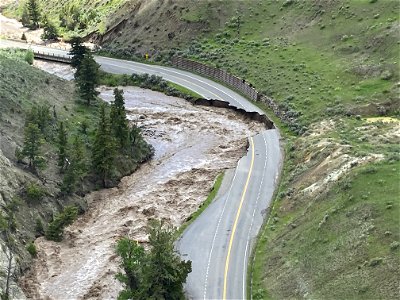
x: 10, y: 256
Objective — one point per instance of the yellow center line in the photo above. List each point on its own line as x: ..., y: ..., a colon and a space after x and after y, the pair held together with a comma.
x: 237, y: 218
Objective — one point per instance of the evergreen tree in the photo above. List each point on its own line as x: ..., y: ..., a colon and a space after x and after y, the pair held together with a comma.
x: 62, y: 146
x: 78, y: 157
x: 40, y: 115
x: 32, y: 141
x: 87, y: 78
x: 134, y: 136
x: 103, y: 148
x: 157, y: 274
x: 55, y: 229
x: 78, y: 51
x: 25, y: 20
x: 33, y: 13
x: 119, y: 122
x: 133, y: 259
x: 166, y: 272
x: 49, y: 30
x: 77, y: 167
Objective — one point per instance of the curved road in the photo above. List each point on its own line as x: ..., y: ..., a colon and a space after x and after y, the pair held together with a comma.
x: 220, y: 241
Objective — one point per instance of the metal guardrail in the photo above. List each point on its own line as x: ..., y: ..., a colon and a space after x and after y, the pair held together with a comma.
x: 215, y: 73
x: 234, y: 82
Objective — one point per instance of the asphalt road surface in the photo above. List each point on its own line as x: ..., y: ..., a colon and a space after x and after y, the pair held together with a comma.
x: 219, y: 242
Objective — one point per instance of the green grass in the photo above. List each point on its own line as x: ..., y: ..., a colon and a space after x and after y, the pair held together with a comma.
x: 323, y: 62
x: 311, y: 69
x: 184, y: 90
x: 361, y: 225
x: 203, y: 206
x: 155, y: 83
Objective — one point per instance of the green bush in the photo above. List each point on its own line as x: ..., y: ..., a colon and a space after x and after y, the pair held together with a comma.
x: 31, y: 248
x: 29, y: 57
x: 55, y: 229
x: 39, y: 228
x: 34, y: 192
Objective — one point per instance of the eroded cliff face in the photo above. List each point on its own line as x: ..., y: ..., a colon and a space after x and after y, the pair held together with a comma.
x: 10, y: 180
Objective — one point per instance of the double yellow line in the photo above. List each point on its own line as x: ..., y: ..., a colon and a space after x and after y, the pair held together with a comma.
x: 237, y: 218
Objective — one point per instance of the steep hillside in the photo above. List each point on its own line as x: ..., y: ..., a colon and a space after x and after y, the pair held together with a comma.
x: 21, y: 87
x: 32, y: 198
x: 153, y: 26
x: 131, y: 27
x: 332, y: 65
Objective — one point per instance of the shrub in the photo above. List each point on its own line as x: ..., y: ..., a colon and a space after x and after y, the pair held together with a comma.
x: 370, y: 170
x: 375, y: 261
x: 55, y: 230
x: 29, y: 57
x: 34, y: 192
x: 39, y: 228
x: 394, y: 245
x: 386, y: 75
x: 31, y: 248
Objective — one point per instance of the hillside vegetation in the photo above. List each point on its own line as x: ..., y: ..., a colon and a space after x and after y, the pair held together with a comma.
x: 333, y: 230
x: 43, y: 194
x: 71, y: 17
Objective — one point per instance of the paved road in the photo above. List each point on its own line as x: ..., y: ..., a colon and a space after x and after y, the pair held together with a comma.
x: 220, y: 241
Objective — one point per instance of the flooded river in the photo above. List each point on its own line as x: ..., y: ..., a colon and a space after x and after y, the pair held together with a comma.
x: 193, y: 144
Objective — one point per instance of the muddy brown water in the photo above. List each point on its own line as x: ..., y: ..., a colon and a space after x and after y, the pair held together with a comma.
x: 193, y: 144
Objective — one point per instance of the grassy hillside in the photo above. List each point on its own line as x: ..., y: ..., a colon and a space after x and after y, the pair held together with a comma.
x: 22, y: 86
x: 333, y: 65
x: 339, y: 245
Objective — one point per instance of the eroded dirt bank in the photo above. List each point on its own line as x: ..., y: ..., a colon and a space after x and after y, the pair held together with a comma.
x: 192, y: 145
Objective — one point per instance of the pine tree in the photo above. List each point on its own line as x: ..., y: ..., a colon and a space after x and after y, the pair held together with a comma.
x: 134, y: 136
x: 49, y: 30
x: 34, y: 13
x: 87, y: 78
x: 165, y: 272
x: 77, y: 167
x: 78, y: 157
x: 62, y: 146
x: 133, y: 259
x: 156, y: 274
x: 40, y: 115
x: 32, y: 141
x: 103, y: 148
x: 119, y: 122
x: 25, y: 20
x: 78, y: 51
